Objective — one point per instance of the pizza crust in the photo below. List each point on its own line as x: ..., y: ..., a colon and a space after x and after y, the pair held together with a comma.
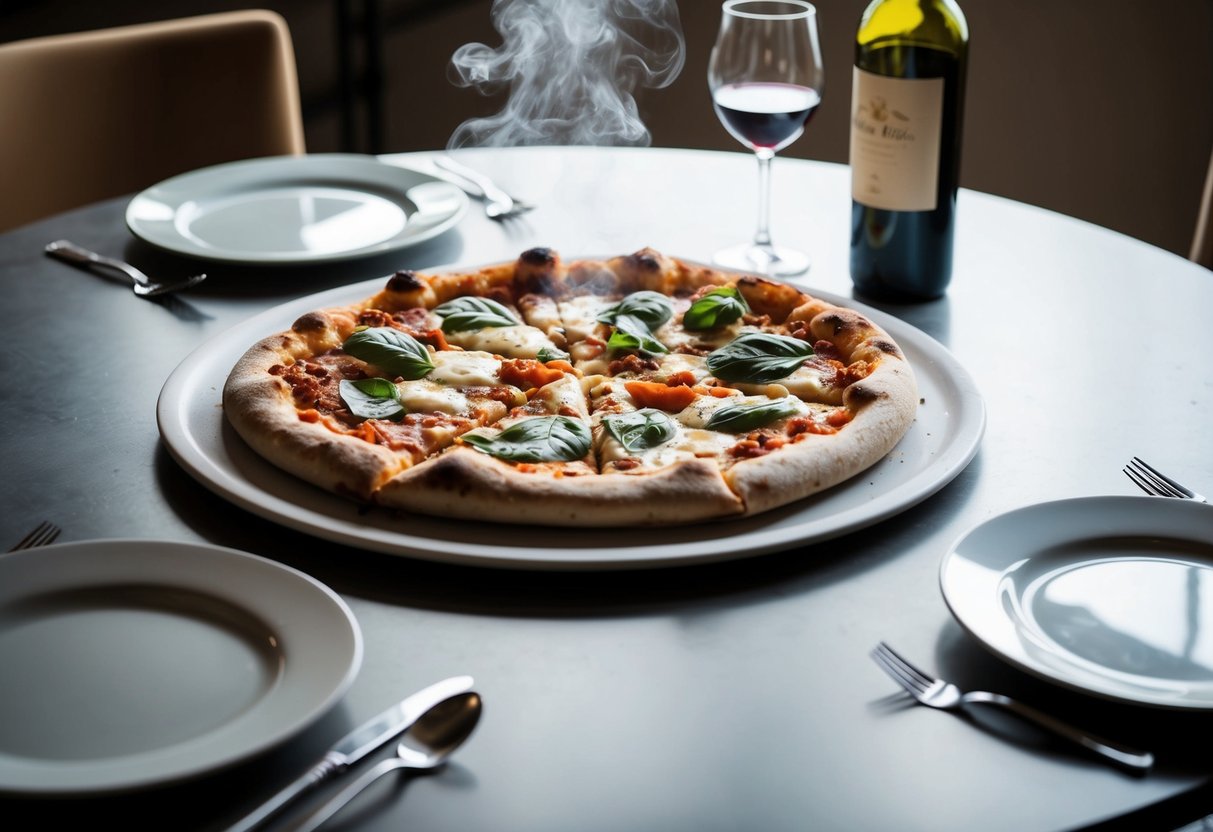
x: 884, y: 405
x: 464, y: 483
x: 260, y: 407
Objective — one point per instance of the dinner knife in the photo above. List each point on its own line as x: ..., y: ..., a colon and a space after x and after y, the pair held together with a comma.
x: 357, y: 744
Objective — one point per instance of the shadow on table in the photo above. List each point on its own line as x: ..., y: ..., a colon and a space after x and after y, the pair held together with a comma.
x: 422, y: 584
x: 234, y: 281
x: 1177, y: 738
x: 191, y: 803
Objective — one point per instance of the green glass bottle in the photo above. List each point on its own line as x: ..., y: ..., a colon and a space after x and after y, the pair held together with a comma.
x: 907, y: 107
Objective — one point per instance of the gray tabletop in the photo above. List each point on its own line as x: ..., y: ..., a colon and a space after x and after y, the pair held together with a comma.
x: 731, y: 695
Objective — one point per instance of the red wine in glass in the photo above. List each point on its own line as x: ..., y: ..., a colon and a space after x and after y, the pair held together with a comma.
x: 765, y: 76
x: 766, y: 115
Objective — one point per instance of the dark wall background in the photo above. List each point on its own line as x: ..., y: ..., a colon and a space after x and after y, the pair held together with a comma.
x: 1102, y: 109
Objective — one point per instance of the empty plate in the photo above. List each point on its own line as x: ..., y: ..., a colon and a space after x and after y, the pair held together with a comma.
x: 132, y: 663
x: 1108, y: 595
x: 295, y: 209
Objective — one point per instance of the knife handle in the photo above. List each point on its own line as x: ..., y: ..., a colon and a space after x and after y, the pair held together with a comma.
x: 309, y: 779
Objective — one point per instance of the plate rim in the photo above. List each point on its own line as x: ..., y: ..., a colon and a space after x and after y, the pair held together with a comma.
x: 1022, y: 661
x: 962, y: 447
x: 388, y: 171
x: 237, y: 738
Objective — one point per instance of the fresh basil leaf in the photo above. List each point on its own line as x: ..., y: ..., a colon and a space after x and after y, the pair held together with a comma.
x: 653, y: 308
x: 717, y: 308
x: 540, y: 439
x: 371, y: 398
x: 758, y: 357
x: 391, y: 350
x: 547, y: 354
x: 631, y: 333
x: 640, y: 429
x: 462, y: 314
x: 735, y: 418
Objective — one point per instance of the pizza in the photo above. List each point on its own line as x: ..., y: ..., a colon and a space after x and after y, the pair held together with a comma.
x: 638, y: 389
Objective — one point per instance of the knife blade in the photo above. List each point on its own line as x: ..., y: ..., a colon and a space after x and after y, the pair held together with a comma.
x: 357, y: 744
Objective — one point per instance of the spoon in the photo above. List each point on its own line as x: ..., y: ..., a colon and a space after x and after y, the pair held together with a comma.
x: 141, y: 284
x: 426, y: 745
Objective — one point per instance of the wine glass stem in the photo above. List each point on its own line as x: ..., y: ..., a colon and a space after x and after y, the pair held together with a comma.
x: 762, y: 237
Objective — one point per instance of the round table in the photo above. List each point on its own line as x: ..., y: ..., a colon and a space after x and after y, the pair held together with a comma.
x: 730, y: 695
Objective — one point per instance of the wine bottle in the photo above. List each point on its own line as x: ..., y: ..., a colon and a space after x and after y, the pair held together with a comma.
x: 907, y: 104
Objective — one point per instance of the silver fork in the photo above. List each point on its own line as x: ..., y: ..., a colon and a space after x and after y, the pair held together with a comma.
x: 1157, y: 483
x: 937, y: 693
x: 42, y: 534
x: 498, y: 205
x: 142, y: 285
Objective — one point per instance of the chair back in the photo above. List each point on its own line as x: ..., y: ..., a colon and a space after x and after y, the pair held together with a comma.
x: 95, y: 115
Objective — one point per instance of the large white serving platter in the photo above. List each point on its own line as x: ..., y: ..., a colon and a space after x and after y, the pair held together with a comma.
x: 321, y: 208
x: 1111, y: 596
x: 126, y: 664
x: 942, y: 441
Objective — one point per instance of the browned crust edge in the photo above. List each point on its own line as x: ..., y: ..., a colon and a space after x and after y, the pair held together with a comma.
x: 261, y: 409
x: 464, y: 483
x: 886, y: 401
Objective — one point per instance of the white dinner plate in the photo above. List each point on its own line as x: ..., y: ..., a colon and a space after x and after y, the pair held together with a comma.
x: 940, y: 443
x: 126, y: 664
x: 295, y: 210
x: 1111, y: 596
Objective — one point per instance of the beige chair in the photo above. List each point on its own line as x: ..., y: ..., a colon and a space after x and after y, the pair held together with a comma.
x: 99, y: 114
x: 1202, y: 241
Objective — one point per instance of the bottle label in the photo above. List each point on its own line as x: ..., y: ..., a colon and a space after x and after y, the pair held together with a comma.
x: 895, y: 133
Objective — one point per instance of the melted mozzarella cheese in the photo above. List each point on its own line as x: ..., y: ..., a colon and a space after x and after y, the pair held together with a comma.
x: 595, y: 365
x: 565, y: 392
x: 520, y: 341
x: 454, y: 371
x: 677, y: 362
x: 674, y: 336
x: 424, y: 396
x: 698, y: 412
x: 541, y: 311
x: 464, y: 369
x: 807, y: 382
x: 687, y: 443
x: 580, y: 315
x: 598, y: 387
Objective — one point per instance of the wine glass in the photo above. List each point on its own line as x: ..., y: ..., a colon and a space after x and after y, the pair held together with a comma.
x: 766, y: 78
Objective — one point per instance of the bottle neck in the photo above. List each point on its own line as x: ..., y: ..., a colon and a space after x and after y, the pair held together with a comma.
x: 935, y: 24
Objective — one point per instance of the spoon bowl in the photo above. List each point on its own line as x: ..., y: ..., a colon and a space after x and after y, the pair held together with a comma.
x: 425, y: 745
x: 439, y: 731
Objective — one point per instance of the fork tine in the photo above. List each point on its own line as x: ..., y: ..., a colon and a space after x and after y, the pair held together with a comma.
x: 51, y: 535
x: 891, y: 669
x: 903, y: 681
x: 923, y: 680
x: 1159, y: 476
x: 1158, y: 485
x: 1144, y: 483
x: 40, y: 535
x: 888, y: 661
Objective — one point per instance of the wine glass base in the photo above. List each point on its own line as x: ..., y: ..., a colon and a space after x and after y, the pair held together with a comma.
x: 767, y: 260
